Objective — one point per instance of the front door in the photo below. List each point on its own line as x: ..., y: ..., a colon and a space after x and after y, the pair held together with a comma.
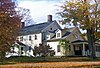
x: 78, y: 50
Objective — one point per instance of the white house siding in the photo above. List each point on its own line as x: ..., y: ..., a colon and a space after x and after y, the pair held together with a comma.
x: 16, y: 53
x: 54, y: 47
x: 31, y: 42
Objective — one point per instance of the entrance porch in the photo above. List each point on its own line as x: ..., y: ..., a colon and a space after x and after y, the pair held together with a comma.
x: 80, y: 48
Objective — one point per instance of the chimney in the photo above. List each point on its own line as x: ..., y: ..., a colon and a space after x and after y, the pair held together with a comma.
x: 22, y: 24
x: 49, y: 18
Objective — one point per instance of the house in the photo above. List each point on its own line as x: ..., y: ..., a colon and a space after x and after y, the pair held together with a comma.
x: 73, y: 35
x: 35, y: 34
x: 50, y: 33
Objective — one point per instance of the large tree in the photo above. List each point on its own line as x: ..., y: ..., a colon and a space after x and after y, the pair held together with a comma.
x: 10, y: 21
x: 87, y: 14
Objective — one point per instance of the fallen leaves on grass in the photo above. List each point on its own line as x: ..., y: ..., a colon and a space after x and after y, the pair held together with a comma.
x: 52, y: 65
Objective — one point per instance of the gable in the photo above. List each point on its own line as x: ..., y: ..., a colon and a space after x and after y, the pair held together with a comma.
x: 75, y: 35
x: 71, y: 34
x: 52, y: 27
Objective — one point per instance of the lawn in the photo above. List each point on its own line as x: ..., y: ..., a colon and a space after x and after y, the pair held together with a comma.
x: 50, y: 62
x: 48, y: 59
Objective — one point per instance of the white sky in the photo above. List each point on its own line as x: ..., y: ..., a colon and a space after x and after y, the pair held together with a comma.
x: 41, y: 8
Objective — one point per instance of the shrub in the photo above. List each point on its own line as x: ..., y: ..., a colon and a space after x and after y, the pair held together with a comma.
x: 43, y: 51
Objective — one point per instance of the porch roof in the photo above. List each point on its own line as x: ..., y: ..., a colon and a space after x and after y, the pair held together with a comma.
x: 20, y: 43
x: 79, y: 42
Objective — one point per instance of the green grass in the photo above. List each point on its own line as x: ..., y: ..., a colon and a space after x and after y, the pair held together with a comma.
x: 22, y: 59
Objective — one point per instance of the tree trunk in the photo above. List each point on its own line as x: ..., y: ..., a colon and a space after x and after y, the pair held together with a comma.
x: 91, y: 43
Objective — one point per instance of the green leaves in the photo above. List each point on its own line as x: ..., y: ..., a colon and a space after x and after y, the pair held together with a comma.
x: 65, y: 45
x: 87, y: 14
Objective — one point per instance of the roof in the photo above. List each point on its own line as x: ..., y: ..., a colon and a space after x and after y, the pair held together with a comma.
x: 66, y: 32
x: 20, y: 43
x: 33, y: 29
x: 79, y: 42
x: 76, y: 41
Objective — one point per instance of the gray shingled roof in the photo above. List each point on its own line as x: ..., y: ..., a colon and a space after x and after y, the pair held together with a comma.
x: 32, y: 29
x: 67, y: 32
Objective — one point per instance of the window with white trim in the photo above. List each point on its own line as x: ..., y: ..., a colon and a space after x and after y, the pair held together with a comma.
x: 30, y: 38
x: 58, y: 34
x: 35, y: 37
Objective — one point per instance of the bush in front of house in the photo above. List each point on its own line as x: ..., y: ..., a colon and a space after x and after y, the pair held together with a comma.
x: 43, y: 51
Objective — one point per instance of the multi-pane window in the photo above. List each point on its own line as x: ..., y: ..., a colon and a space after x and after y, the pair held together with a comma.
x: 58, y: 34
x: 58, y: 48
x: 30, y: 38
x: 35, y: 37
x: 98, y: 48
x: 21, y: 38
x: 30, y: 48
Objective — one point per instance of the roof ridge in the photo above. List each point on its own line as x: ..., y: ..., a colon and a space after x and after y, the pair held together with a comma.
x: 36, y: 24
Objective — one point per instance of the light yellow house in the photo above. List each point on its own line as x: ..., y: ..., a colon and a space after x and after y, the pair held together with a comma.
x: 78, y: 45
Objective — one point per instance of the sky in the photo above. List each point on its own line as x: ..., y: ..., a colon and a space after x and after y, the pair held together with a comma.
x: 39, y: 9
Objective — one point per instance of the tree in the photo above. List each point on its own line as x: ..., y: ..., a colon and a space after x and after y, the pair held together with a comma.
x: 10, y: 21
x: 86, y: 14
x: 43, y: 50
x: 65, y: 45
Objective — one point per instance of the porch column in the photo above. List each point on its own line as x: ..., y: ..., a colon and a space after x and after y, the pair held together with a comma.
x: 83, y: 51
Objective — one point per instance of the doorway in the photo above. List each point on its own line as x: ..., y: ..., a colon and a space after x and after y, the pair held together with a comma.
x: 78, y: 50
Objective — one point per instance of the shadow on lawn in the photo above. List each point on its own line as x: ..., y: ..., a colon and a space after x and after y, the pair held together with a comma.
x: 6, y: 63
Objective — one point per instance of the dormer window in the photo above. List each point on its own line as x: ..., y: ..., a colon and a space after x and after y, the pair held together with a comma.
x: 58, y: 34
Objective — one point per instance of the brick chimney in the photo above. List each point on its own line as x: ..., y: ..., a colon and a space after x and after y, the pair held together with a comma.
x: 22, y: 24
x: 49, y: 18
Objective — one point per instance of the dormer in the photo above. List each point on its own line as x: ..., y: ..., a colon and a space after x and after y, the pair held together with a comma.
x: 58, y: 33
x: 49, y: 35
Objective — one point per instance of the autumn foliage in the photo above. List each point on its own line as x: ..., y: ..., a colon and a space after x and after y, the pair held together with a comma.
x: 9, y: 25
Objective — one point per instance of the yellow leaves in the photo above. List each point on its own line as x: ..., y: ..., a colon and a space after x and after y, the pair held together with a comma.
x: 97, y: 34
x: 2, y: 14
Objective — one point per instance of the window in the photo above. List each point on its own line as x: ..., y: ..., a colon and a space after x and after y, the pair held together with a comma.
x: 22, y: 48
x: 47, y: 37
x: 30, y: 38
x: 21, y: 38
x: 58, y: 48
x: 98, y: 48
x: 30, y: 48
x: 35, y: 37
x: 22, y: 52
x: 58, y: 34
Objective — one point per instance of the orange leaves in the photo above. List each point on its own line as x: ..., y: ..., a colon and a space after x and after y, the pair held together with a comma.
x: 9, y: 24
x: 53, y: 65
